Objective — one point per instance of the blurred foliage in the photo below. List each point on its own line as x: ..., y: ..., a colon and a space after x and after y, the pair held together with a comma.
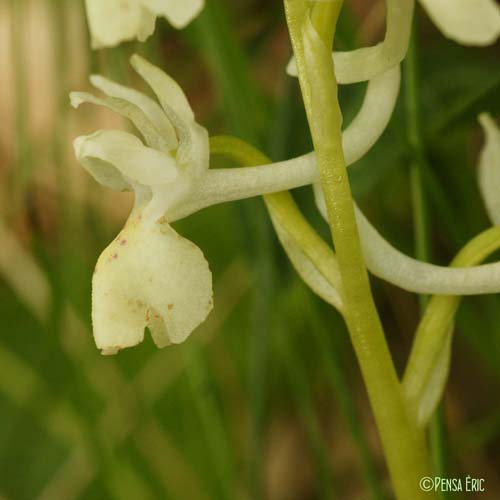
x: 265, y: 399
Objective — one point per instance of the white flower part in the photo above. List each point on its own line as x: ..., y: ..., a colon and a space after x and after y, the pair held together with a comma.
x: 489, y: 168
x: 373, y: 117
x: 469, y: 22
x: 368, y: 62
x: 389, y: 264
x: 114, y: 21
x: 193, y: 147
x: 149, y: 276
x: 148, y: 106
x: 114, y: 158
x: 179, y: 13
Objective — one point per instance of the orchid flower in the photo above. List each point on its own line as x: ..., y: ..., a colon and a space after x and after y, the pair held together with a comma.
x: 149, y: 275
x: 114, y: 21
x: 469, y: 22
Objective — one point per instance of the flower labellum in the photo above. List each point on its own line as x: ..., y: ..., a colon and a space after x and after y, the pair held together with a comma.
x: 149, y: 276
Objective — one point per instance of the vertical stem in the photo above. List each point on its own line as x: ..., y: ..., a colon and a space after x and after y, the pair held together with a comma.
x: 404, y: 445
x: 437, y: 429
x: 412, y: 102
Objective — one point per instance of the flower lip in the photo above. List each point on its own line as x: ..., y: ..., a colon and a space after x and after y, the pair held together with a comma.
x: 149, y: 276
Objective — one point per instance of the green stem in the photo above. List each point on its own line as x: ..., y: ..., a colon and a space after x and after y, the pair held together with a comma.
x: 404, y: 445
x: 412, y: 102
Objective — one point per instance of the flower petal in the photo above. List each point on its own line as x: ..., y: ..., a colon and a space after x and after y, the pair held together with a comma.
x: 178, y: 12
x: 151, y: 135
x: 149, y: 276
x: 368, y: 62
x: 489, y: 168
x: 469, y: 22
x: 168, y: 91
x: 193, y: 139
x: 114, y: 21
x: 114, y: 158
x: 148, y: 106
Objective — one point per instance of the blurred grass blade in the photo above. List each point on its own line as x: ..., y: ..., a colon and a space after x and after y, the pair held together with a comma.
x: 24, y: 144
x: 214, y: 429
x: 301, y: 390
x: 24, y: 275
x: 217, y: 41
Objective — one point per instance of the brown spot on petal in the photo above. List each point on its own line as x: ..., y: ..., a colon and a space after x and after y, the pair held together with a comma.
x: 123, y: 242
x: 170, y: 307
